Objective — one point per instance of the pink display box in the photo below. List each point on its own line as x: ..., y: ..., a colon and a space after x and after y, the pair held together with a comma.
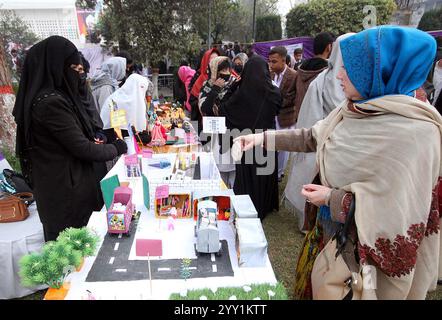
x: 119, y: 221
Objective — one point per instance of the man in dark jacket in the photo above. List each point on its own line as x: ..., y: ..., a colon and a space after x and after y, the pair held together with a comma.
x: 311, y: 68
x: 297, y: 55
x: 284, y: 78
x: 56, y: 139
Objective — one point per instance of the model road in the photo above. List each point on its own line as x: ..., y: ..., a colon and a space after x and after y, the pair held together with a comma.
x: 112, y: 263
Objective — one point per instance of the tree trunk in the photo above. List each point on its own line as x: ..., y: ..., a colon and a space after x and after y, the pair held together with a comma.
x: 155, y: 74
x: 7, y: 100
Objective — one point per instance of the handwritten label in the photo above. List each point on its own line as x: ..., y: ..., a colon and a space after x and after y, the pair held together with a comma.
x: 147, y: 153
x: 162, y: 192
x: 118, y: 118
x: 180, y: 133
x: 131, y: 160
x: 214, y: 125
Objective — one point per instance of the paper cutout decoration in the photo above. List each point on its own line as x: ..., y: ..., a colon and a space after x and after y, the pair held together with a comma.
x: 149, y: 247
x: 147, y: 153
x: 162, y: 192
x: 146, y: 194
x: 108, y: 187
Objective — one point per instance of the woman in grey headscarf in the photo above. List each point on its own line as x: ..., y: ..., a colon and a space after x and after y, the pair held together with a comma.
x: 105, y: 82
x: 239, y: 61
x: 323, y: 95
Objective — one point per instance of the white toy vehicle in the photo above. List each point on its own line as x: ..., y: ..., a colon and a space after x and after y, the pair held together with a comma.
x: 206, y: 229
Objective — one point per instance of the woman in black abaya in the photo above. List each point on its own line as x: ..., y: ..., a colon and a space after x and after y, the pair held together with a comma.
x: 254, y: 106
x: 55, y: 137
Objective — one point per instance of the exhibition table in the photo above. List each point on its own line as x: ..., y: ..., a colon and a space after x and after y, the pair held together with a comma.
x: 118, y: 271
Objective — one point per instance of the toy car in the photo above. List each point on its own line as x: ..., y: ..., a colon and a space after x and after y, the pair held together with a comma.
x: 206, y: 229
x: 119, y: 215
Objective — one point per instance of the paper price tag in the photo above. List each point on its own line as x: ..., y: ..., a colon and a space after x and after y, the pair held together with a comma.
x: 162, y: 192
x: 131, y: 160
x: 214, y: 125
x: 118, y: 118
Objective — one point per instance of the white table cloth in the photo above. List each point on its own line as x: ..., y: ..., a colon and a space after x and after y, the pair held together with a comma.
x: 16, y: 240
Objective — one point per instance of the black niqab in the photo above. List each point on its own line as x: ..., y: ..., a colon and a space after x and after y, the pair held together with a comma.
x: 257, y: 101
x: 47, y: 70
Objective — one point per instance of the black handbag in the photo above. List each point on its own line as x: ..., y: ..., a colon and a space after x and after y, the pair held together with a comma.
x: 17, y: 181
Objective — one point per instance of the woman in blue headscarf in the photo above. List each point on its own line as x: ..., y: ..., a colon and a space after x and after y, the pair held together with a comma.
x: 380, y: 150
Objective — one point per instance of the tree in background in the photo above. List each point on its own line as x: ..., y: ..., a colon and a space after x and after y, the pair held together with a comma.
x: 221, y: 13
x: 117, y: 21
x: 7, y: 100
x: 150, y: 30
x: 336, y: 16
x: 86, y: 4
x: 15, y: 32
x: 240, y: 21
x: 431, y: 20
x: 268, y: 28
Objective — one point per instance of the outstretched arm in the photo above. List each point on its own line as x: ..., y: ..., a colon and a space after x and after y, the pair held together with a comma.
x: 296, y: 140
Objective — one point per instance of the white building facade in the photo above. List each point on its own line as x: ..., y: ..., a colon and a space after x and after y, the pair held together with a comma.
x: 48, y: 17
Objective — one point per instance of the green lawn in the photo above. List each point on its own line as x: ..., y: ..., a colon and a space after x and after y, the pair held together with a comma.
x: 285, y: 243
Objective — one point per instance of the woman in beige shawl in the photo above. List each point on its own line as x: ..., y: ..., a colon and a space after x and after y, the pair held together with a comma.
x: 382, y: 148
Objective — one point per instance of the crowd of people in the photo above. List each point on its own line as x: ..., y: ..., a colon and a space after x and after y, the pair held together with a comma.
x: 363, y: 129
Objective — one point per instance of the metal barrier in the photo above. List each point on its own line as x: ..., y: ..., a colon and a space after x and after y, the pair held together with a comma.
x: 165, y: 84
x: 164, y: 80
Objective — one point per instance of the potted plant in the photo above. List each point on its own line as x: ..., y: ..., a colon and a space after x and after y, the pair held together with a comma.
x: 82, y: 240
x: 51, y: 267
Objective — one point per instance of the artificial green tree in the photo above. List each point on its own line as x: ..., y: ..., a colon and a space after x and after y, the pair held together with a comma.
x: 51, y: 266
x: 82, y: 240
x: 185, y: 271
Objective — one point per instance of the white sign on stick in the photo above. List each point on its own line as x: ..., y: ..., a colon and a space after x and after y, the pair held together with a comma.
x: 214, y: 125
